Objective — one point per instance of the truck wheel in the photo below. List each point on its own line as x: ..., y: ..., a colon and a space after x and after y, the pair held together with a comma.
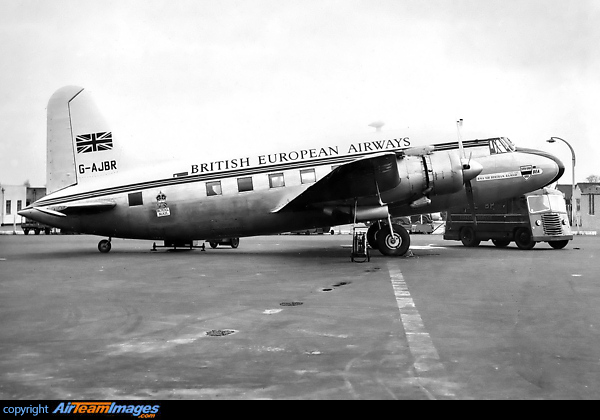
x: 559, y: 244
x: 468, y: 237
x: 500, y: 243
x: 235, y: 242
x: 26, y: 231
x: 523, y: 239
x: 36, y: 231
x: 213, y: 244
x: 47, y: 231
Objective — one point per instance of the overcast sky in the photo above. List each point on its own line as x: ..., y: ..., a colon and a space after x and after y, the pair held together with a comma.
x: 180, y: 77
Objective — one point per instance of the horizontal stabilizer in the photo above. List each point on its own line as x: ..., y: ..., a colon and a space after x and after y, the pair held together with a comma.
x: 47, y: 211
x: 74, y: 208
x: 89, y: 207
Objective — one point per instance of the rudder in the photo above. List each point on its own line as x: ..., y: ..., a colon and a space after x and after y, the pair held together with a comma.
x: 80, y: 144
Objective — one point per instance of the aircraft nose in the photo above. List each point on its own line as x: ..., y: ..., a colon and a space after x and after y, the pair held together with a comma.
x: 551, y: 166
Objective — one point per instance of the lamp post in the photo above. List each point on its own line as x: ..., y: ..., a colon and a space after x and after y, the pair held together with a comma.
x: 573, y: 206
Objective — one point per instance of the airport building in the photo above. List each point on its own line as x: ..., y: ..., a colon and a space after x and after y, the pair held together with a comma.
x: 587, y: 206
x: 16, y: 197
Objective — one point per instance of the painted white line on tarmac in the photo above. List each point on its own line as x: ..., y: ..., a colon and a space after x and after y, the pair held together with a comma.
x: 430, y: 372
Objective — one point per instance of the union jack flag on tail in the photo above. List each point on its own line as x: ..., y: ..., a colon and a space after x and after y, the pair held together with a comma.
x: 95, y: 142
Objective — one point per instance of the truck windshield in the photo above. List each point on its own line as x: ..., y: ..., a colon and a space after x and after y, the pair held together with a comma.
x: 541, y: 203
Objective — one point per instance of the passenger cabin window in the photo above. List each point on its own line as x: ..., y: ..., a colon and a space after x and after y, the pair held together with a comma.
x: 276, y: 180
x: 135, y: 199
x: 213, y: 188
x: 307, y: 176
x: 245, y: 184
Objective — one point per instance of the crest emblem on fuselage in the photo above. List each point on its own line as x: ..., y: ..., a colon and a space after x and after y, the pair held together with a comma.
x: 162, y: 209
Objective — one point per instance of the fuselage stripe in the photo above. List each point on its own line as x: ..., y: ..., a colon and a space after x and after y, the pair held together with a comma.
x: 237, y: 173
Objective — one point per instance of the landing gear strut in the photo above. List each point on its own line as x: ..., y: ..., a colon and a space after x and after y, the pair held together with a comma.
x: 104, y: 245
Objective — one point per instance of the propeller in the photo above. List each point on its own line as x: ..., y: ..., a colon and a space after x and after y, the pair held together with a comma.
x: 470, y: 171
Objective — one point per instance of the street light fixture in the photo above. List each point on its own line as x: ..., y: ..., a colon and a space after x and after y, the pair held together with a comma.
x: 573, y: 206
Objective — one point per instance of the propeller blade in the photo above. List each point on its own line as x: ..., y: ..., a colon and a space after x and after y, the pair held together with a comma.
x: 470, y: 170
x: 460, y: 142
x: 471, y: 201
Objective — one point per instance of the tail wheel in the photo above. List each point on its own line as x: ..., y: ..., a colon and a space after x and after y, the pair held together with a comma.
x: 523, y: 239
x: 500, y: 243
x: 393, y: 245
x: 104, y: 246
x: 468, y: 237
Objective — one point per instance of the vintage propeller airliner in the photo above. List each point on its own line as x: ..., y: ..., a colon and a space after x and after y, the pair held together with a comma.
x: 368, y: 179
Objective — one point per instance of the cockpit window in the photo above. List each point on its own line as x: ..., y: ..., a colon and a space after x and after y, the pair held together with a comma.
x: 501, y: 145
x: 509, y: 144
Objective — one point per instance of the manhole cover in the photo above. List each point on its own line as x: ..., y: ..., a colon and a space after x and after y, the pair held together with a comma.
x: 219, y: 333
x: 290, y: 303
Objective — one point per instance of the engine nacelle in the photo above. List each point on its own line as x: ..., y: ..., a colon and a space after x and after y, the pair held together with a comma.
x: 437, y: 173
x: 445, y: 173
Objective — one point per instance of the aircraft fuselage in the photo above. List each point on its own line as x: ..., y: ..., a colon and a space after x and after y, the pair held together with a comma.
x: 190, y: 213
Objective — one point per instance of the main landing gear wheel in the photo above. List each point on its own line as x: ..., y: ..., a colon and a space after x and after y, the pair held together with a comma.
x: 104, y: 246
x: 393, y: 246
x: 523, y: 239
x: 372, y: 233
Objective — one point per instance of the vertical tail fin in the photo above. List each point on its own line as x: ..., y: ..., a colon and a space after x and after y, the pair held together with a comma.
x: 80, y: 143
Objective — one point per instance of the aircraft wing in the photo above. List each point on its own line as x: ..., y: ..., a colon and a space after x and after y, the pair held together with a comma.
x: 365, y: 177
